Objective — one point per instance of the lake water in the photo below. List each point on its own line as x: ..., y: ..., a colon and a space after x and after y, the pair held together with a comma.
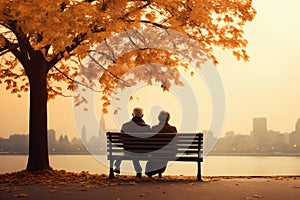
x: 212, y: 165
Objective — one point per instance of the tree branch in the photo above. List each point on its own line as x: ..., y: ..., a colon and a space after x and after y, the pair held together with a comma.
x: 59, y: 93
x: 24, y: 44
x: 148, y: 22
x: 8, y: 47
x: 134, y: 44
x: 76, y: 42
x: 104, y: 54
x: 148, y: 2
x: 111, y: 50
x: 4, y: 51
x: 79, y: 83
x: 13, y: 49
x: 113, y: 75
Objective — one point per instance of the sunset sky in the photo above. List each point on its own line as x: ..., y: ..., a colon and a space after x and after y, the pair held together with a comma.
x: 266, y: 86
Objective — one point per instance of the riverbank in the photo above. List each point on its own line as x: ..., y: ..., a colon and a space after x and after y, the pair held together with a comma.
x: 68, y: 185
x: 104, y: 153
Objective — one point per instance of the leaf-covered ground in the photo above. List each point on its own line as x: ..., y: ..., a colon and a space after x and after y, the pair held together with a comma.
x: 55, y: 184
x: 62, y: 177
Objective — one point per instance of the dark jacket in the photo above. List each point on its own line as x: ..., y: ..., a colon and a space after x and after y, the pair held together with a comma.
x: 159, y: 166
x: 164, y: 128
x: 135, y: 125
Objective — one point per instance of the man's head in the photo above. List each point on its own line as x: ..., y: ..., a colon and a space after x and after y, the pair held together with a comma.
x: 137, y: 112
x: 164, y: 117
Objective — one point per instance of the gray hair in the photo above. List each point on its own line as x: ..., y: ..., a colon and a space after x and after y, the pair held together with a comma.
x: 137, y: 112
x: 164, y: 116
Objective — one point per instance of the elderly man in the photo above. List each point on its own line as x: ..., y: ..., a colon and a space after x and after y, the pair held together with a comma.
x: 135, y: 125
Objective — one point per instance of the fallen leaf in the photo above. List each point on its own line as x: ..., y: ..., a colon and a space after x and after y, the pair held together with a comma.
x: 133, y: 183
x: 4, y: 189
x: 22, y: 195
x: 202, y: 185
x: 257, y: 196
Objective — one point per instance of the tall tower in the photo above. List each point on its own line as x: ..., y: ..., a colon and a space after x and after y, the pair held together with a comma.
x: 259, y: 130
x: 297, y: 129
x: 102, y: 129
x: 51, y: 138
x: 295, y: 135
x: 260, y: 125
x: 83, y: 134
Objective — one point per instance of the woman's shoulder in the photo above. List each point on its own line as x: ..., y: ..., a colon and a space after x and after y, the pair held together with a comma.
x: 172, y: 129
x: 164, y: 128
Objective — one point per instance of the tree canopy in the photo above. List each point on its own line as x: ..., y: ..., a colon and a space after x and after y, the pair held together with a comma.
x: 65, y: 30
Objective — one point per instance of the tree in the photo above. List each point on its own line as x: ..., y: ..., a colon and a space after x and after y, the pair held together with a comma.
x: 42, y: 44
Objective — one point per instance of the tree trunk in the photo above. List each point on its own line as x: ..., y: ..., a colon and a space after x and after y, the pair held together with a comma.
x: 38, y: 144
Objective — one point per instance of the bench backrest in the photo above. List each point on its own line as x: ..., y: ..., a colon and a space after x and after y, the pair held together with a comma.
x: 167, y: 143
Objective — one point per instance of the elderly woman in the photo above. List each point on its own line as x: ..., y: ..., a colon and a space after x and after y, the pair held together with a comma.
x: 163, y: 127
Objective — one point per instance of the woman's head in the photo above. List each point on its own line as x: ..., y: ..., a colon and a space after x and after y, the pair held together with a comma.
x: 164, y: 117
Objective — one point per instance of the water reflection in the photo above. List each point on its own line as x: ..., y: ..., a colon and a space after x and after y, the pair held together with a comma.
x: 212, y: 166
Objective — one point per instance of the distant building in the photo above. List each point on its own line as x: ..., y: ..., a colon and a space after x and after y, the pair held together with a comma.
x: 209, y: 139
x: 83, y: 134
x: 259, y: 131
x: 75, y: 141
x: 275, y: 141
x: 63, y: 140
x: 286, y: 138
x: 297, y: 128
x: 229, y: 134
x: 51, y: 138
x: 260, y: 125
x: 19, y: 139
x: 18, y: 143
x: 295, y: 135
x: 102, y: 128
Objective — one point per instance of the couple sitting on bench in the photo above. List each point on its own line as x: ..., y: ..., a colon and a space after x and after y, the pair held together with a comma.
x: 137, y: 125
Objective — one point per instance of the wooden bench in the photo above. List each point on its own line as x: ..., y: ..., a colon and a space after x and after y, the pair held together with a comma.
x: 144, y: 146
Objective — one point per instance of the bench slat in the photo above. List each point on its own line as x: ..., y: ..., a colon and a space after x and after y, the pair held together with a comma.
x: 150, y: 134
x: 143, y: 158
x: 153, y: 150
x: 185, y: 146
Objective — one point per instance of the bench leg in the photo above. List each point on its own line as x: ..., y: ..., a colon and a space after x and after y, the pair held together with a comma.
x: 160, y: 175
x: 199, y: 171
x: 111, y: 169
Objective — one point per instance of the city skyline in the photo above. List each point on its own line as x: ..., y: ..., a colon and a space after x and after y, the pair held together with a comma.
x: 261, y: 121
x: 259, y: 140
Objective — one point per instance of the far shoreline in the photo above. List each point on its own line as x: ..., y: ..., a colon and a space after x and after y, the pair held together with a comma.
x: 212, y: 154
